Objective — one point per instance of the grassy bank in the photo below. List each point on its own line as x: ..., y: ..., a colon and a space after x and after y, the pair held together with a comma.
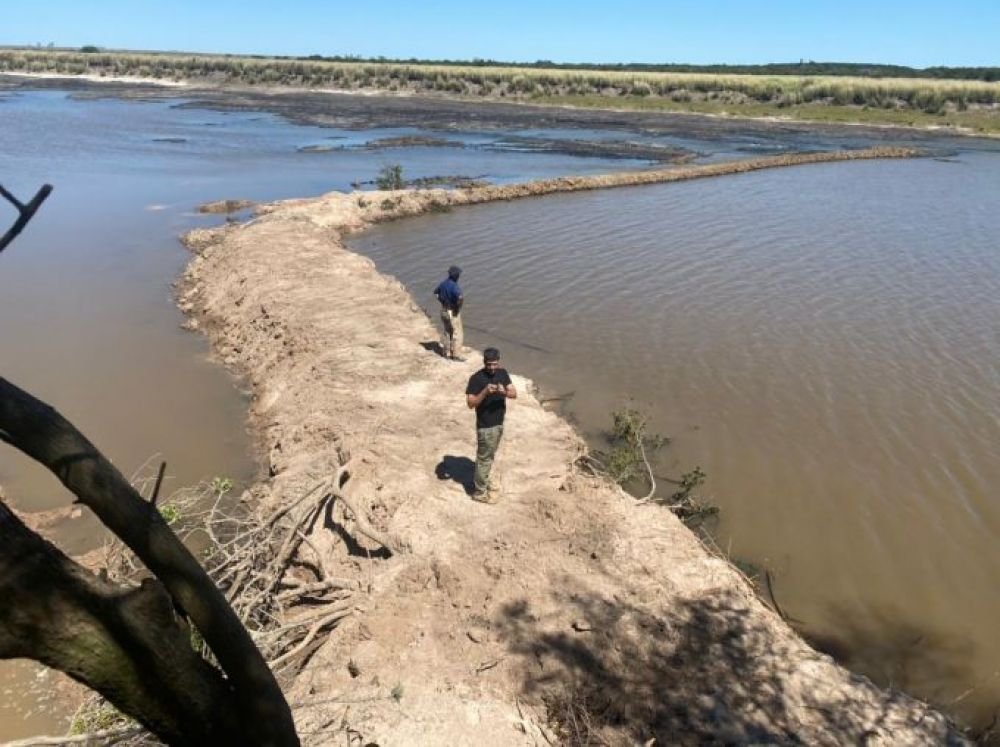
x: 921, y: 102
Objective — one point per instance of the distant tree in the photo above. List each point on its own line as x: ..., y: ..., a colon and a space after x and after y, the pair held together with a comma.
x: 89, y: 49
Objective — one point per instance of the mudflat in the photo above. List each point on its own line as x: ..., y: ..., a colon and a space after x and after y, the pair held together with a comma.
x: 361, y: 111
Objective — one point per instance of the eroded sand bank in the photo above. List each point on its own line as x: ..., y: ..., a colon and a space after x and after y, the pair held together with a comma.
x: 566, y: 600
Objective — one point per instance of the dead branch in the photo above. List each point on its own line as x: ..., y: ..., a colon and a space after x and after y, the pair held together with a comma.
x: 363, y: 526
x: 290, y: 545
x: 309, y: 543
x: 250, y: 560
x: 323, y: 622
x: 649, y: 471
x: 277, y: 515
x: 342, y: 606
x: 320, y: 587
x: 26, y: 212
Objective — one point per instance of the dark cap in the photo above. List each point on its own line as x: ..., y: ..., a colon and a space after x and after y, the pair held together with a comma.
x: 454, y: 271
x: 491, y: 354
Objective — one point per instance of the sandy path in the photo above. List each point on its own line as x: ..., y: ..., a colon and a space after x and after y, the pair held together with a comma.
x: 565, y: 599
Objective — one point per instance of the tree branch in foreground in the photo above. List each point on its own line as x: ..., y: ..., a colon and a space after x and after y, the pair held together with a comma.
x: 26, y: 212
x: 39, y: 431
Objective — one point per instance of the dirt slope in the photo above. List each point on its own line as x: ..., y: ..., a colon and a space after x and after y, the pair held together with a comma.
x: 565, y: 610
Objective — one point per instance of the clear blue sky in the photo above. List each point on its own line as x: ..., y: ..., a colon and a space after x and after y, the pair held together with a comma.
x: 919, y: 33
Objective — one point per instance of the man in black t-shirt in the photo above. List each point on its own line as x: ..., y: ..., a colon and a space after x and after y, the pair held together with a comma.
x: 488, y: 391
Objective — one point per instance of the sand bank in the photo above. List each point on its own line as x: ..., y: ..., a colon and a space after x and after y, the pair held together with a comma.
x: 563, y: 603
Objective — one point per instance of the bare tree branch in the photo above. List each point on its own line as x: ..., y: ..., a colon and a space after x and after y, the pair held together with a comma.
x: 26, y: 212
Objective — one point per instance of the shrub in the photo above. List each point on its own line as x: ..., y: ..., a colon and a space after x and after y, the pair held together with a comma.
x: 390, y: 177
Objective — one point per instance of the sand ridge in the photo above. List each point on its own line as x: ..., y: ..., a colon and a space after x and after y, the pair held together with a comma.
x: 565, y: 608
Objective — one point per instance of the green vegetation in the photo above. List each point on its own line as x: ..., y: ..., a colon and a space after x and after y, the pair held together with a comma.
x: 390, y: 177
x: 966, y: 97
x: 688, y: 482
x: 97, y: 715
x: 629, y: 444
x: 221, y: 484
x: 170, y: 513
x: 628, y: 463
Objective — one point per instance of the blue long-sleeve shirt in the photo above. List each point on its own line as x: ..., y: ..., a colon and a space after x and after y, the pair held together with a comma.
x: 449, y: 294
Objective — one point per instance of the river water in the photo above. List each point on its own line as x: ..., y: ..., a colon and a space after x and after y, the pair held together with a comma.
x: 821, y: 340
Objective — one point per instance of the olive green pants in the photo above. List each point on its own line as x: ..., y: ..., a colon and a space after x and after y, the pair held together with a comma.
x: 487, y: 443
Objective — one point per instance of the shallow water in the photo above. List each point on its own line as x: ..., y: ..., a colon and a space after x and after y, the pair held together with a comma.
x: 823, y: 341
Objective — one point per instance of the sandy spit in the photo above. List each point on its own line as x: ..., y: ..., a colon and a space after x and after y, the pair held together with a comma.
x: 565, y: 607
x: 101, y: 78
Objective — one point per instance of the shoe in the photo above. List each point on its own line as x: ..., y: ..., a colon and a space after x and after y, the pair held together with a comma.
x: 489, y: 498
x: 458, y: 359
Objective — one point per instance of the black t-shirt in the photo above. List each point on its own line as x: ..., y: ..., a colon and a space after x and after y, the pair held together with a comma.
x: 491, y: 410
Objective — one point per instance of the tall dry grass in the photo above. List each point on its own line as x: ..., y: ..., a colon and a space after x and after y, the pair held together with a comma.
x: 925, y: 95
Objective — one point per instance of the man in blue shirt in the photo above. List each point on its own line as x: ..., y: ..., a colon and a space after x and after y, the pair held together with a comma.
x: 450, y: 296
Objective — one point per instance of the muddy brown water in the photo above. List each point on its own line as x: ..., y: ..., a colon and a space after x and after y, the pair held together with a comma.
x: 823, y: 341
x: 87, y: 310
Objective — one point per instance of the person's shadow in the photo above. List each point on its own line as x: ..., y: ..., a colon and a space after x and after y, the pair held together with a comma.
x: 434, y: 347
x: 458, y: 468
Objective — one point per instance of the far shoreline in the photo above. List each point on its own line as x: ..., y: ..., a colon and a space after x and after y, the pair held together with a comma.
x: 276, y: 98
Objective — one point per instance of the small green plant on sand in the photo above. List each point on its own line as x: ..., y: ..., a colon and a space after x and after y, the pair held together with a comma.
x: 390, y: 177
x: 221, y: 485
x: 95, y: 717
x: 170, y: 513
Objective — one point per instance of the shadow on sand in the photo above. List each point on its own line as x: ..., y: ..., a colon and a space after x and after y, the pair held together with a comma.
x: 705, y: 671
